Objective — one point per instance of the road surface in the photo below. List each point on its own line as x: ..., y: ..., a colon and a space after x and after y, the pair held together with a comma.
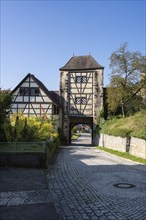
x: 83, y: 183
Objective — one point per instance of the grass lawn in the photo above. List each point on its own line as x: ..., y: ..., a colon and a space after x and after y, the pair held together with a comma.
x: 124, y: 155
x: 134, y: 125
x: 75, y: 136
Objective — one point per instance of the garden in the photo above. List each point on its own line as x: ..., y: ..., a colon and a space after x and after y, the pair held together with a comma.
x: 25, y: 141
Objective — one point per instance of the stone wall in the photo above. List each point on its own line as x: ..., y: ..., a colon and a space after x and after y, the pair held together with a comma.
x: 134, y: 146
x: 36, y: 160
x: 138, y: 147
x: 29, y: 159
x: 112, y: 142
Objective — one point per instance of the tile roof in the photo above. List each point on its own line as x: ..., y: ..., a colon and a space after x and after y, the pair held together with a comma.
x: 81, y: 63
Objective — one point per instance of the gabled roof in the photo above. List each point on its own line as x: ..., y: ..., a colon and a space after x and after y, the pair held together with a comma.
x: 55, y: 97
x: 82, y: 63
x: 51, y: 94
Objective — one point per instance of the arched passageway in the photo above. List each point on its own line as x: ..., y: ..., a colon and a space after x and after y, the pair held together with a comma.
x: 81, y: 134
x: 84, y: 125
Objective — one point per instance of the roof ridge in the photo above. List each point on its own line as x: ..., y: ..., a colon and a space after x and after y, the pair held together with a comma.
x: 84, y: 62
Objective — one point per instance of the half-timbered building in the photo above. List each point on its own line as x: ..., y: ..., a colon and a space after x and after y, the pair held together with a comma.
x: 31, y: 97
x: 79, y: 101
x: 81, y: 90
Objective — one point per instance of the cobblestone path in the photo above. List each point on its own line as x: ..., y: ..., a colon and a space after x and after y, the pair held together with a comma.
x: 81, y: 180
x: 80, y: 183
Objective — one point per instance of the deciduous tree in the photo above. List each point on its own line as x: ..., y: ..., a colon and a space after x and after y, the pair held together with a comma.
x: 125, y: 83
x: 5, y: 102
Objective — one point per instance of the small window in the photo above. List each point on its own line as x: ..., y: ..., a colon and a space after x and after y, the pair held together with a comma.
x: 34, y: 91
x: 21, y: 91
x: 84, y: 79
x: 56, y: 110
x: 24, y: 91
x: 81, y: 79
x: 29, y: 91
x: 81, y: 100
x: 84, y: 100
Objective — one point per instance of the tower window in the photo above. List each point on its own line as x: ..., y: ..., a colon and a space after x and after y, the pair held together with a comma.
x: 81, y: 100
x: 81, y: 79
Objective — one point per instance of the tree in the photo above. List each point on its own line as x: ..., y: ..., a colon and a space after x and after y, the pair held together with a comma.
x: 5, y: 102
x: 125, y: 83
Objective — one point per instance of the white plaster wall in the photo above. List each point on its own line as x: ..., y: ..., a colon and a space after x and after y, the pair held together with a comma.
x: 25, y: 84
x: 19, y: 99
x: 33, y: 84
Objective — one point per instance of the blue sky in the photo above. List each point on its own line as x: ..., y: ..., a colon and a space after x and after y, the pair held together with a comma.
x: 39, y: 37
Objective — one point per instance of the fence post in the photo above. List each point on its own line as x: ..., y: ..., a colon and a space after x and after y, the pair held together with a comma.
x: 45, y: 162
x: 103, y: 132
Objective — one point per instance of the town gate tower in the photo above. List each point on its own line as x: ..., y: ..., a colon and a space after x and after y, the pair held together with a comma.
x: 81, y: 91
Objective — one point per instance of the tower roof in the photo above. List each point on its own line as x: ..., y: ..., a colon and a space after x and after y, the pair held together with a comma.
x: 81, y: 63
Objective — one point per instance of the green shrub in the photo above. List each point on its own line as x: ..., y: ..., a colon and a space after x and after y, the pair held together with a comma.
x: 134, y: 125
x: 140, y: 134
x: 74, y: 129
x: 120, y: 132
x: 24, y: 129
x: 75, y: 136
x: 5, y: 103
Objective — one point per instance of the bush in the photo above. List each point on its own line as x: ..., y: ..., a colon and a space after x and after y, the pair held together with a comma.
x: 120, y: 132
x: 134, y: 125
x: 74, y: 130
x: 5, y: 103
x: 22, y: 128
x: 140, y: 134
x: 50, y: 147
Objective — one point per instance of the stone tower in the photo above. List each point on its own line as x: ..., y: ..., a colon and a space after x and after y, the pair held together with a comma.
x: 81, y: 90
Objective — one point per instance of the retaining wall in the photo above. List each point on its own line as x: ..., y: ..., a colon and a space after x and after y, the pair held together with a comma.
x: 134, y: 146
x: 112, y: 142
x: 27, y: 159
x: 22, y: 159
x: 138, y: 147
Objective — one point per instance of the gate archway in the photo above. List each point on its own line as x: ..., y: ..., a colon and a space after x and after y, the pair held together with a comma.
x: 73, y: 121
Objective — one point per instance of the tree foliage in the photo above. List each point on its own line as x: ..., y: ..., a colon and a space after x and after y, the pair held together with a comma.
x: 123, y: 93
x: 5, y: 102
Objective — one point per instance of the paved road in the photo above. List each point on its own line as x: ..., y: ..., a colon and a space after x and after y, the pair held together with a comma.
x: 80, y: 183
x: 84, y: 140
